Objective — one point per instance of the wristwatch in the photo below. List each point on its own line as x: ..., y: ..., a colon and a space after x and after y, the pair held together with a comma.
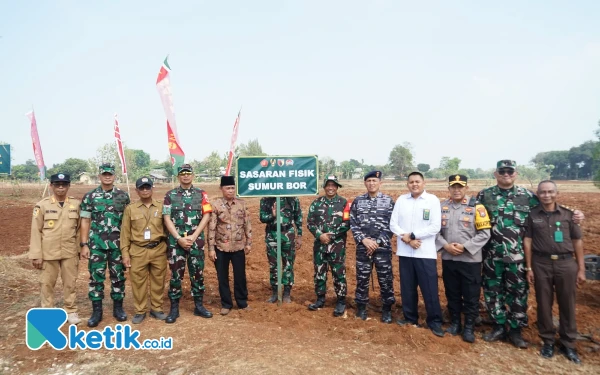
x: 412, y: 236
x: 82, y: 244
x: 527, y: 268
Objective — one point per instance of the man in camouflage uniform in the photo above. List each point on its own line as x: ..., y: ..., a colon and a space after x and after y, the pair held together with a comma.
x: 329, y: 221
x: 505, y: 287
x: 101, y: 214
x: 186, y: 212
x: 370, y: 215
x: 291, y: 214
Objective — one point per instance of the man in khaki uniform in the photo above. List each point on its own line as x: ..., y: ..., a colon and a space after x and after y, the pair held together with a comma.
x: 53, y: 245
x: 144, y: 251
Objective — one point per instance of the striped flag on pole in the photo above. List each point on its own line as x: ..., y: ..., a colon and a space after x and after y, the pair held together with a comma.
x: 232, y: 145
x: 120, y: 145
x: 37, y: 147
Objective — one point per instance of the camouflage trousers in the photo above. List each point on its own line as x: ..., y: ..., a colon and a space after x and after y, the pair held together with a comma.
x: 99, y: 259
x: 505, y: 290
x: 288, y: 256
x: 382, y: 258
x: 324, y: 257
x: 194, y: 258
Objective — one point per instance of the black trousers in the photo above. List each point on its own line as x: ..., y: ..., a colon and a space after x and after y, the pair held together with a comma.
x: 462, y: 282
x: 422, y: 273
x: 240, y: 290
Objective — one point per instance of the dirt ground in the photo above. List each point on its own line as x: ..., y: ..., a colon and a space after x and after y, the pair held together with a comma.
x: 271, y: 338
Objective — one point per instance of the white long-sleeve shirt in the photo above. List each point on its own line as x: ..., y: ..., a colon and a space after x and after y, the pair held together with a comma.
x: 421, y: 216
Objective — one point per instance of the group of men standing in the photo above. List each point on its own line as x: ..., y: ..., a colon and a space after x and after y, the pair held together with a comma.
x: 498, y: 239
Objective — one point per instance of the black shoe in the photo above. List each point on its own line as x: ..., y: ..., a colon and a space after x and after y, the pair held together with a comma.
x: 118, y: 312
x: 571, y: 355
x: 437, y: 330
x: 386, y: 314
x: 547, y: 351
x: 287, y: 290
x: 468, y: 334
x: 318, y: 304
x: 515, y: 337
x: 138, y: 318
x: 158, y: 315
x: 402, y: 323
x: 455, y: 326
x: 174, y: 312
x: 498, y: 333
x: 361, y: 311
x: 340, y: 306
x: 478, y: 321
x: 96, y: 314
x: 200, y: 310
x: 273, y: 297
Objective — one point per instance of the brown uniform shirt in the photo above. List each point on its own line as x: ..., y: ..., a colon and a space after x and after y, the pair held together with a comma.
x: 136, y: 219
x: 541, y: 226
x: 55, y: 229
x: 229, y: 228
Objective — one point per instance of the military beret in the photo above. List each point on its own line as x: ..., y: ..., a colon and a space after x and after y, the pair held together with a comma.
x: 506, y: 164
x: 331, y: 178
x: 457, y: 179
x: 376, y: 174
x: 107, y: 168
x: 185, y: 168
x: 227, y: 181
x: 143, y: 181
x: 60, y: 177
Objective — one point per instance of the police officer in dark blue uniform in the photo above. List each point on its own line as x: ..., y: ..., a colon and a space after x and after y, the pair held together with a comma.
x: 370, y: 224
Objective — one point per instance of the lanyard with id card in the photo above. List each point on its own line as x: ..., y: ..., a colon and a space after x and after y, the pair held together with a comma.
x: 558, y: 235
x: 426, y: 214
x: 147, y: 230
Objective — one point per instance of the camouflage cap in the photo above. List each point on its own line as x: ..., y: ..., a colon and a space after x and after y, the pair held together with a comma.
x: 506, y: 164
x: 331, y: 178
x: 185, y: 168
x: 107, y: 168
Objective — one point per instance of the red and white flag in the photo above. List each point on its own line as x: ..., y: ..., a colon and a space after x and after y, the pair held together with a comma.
x: 37, y: 147
x: 120, y: 145
x: 232, y: 144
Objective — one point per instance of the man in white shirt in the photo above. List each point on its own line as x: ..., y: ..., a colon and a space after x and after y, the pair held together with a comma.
x: 416, y: 220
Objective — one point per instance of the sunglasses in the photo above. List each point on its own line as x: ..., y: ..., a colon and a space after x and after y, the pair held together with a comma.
x: 60, y: 184
x: 507, y: 171
x: 185, y: 173
x: 145, y: 187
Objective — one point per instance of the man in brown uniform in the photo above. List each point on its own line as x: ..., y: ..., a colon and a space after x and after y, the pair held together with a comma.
x: 54, y: 242
x: 144, y: 251
x: 550, y: 240
x: 229, y: 240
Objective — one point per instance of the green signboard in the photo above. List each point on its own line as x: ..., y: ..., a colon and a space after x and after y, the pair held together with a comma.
x: 4, y: 159
x: 277, y: 176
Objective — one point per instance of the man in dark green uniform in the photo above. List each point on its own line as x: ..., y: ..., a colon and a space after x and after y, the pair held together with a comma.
x: 186, y: 212
x: 291, y: 214
x: 329, y: 221
x: 101, y: 214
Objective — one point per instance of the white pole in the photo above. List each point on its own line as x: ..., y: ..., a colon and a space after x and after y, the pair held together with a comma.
x: 127, y: 179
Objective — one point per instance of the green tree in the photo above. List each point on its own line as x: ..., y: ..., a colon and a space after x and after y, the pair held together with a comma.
x: 212, y: 164
x: 26, y: 172
x: 558, y: 159
x: 596, y: 160
x: 401, y: 160
x: 347, y: 168
x: 71, y: 166
x: 421, y: 167
x: 252, y: 148
x: 449, y: 165
x: 534, y: 174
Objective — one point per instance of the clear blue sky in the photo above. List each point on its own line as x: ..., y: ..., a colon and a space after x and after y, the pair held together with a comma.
x: 477, y: 80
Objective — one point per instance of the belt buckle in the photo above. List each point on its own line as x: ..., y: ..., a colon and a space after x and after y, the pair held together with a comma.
x: 554, y: 257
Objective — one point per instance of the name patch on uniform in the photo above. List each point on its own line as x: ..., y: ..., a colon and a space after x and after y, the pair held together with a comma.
x: 363, y: 204
x: 445, y: 208
x: 51, y: 211
x: 538, y: 220
x: 468, y: 209
x: 383, y: 202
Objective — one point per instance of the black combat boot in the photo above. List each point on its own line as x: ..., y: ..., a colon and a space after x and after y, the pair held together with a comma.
x: 361, y: 311
x: 287, y: 290
x: 386, y: 314
x: 200, y: 310
x: 318, y: 304
x: 96, y: 314
x: 273, y: 297
x: 174, y: 312
x: 498, y: 333
x: 515, y: 337
x: 340, y: 306
x: 455, y: 325
x: 469, y: 331
x: 118, y: 312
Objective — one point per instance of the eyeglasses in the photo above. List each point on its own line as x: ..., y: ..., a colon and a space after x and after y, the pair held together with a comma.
x: 145, y: 187
x: 60, y: 184
x: 509, y: 172
x: 185, y: 173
